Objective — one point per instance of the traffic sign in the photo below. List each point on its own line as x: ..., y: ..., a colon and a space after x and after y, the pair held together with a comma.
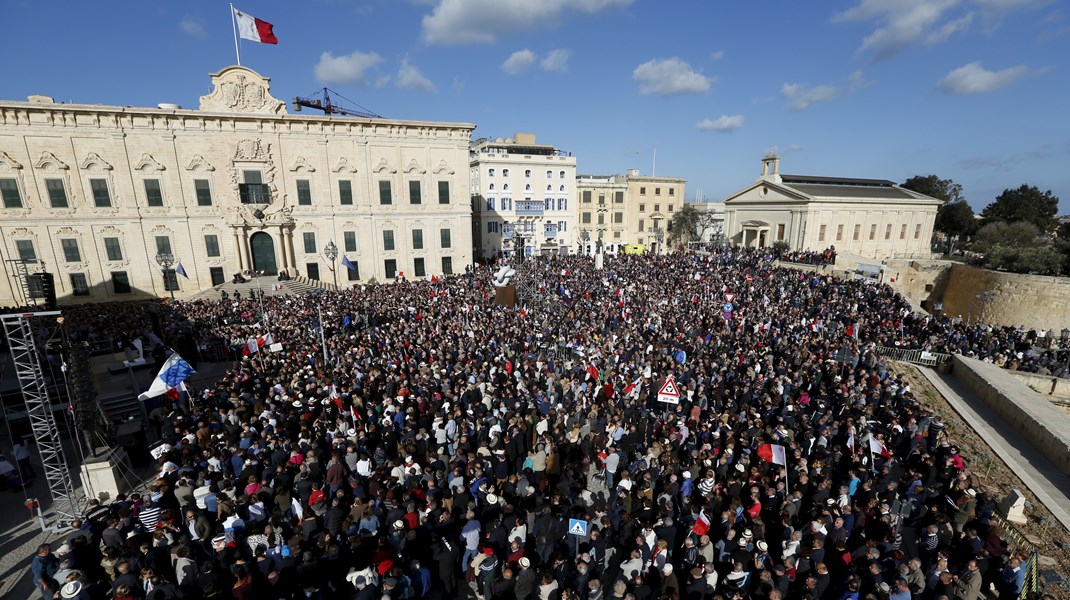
x: 577, y: 527
x: 669, y: 392
x: 728, y: 307
x: 729, y: 297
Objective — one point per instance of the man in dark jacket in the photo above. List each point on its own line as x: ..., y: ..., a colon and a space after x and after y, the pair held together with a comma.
x: 525, y: 580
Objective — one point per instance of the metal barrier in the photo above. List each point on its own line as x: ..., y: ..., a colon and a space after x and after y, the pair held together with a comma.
x: 917, y: 357
x: 1019, y: 544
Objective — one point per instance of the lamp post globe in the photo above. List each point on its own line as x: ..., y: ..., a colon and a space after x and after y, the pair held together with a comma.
x: 165, y: 260
x: 331, y: 253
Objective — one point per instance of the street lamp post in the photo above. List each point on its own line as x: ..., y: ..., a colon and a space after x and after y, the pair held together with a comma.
x: 585, y: 235
x: 165, y: 260
x: 1066, y: 348
x: 331, y: 253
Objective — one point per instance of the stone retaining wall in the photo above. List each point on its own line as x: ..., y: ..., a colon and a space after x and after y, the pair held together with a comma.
x: 1030, y: 301
x: 1032, y: 416
x: 1045, y: 384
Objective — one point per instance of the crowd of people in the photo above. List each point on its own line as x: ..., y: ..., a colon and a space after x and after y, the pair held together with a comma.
x: 444, y: 446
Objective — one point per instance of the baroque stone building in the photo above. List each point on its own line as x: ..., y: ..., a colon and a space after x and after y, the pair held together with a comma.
x: 874, y: 218
x: 94, y: 193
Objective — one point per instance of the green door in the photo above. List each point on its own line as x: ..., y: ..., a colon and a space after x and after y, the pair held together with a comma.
x: 263, y: 249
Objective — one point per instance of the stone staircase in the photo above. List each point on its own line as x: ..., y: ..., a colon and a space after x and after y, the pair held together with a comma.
x: 297, y: 286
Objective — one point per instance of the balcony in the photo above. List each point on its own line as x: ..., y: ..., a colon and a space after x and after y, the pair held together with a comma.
x: 529, y: 208
x: 254, y: 193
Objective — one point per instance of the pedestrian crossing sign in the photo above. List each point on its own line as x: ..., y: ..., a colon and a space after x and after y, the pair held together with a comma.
x: 577, y: 527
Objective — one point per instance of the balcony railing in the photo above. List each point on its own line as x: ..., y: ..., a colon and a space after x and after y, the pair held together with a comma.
x: 254, y: 193
x: 529, y: 208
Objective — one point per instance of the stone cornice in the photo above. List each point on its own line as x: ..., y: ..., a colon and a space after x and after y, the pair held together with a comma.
x: 102, y: 117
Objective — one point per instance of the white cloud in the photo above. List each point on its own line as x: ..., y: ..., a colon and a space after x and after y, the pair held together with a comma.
x: 716, y: 56
x: 975, y: 79
x: 485, y: 21
x: 801, y: 97
x: 949, y: 29
x: 192, y: 27
x: 346, y: 69
x: 556, y: 60
x: 410, y: 78
x: 722, y: 123
x: 669, y: 76
x: 518, y: 62
x: 902, y: 23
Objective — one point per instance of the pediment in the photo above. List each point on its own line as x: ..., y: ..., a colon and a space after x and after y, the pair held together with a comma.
x: 241, y: 90
x: 763, y: 191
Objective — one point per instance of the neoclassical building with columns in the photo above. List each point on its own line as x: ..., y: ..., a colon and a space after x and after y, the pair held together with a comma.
x: 92, y: 193
x: 874, y: 218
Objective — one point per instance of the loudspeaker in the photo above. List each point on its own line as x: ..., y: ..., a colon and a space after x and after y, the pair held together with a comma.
x: 48, y: 289
x: 131, y: 436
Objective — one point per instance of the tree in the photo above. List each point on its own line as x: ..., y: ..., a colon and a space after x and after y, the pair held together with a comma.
x: 684, y: 226
x: 1026, y: 203
x: 931, y: 185
x: 999, y: 233
x: 956, y: 218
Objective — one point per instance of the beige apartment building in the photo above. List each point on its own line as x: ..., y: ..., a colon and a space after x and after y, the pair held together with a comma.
x: 523, y: 194
x: 625, y: 210
x: 96, y: 194
x: 874, y: 218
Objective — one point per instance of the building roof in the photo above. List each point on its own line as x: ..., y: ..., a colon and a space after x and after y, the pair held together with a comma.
x: 852, y: 191
x: 852, y: 181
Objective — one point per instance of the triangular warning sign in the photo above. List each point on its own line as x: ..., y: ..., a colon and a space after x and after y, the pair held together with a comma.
x: 577, y: 528
x: 669, y: 392
x: 669, y: 388
x: 729, y: 297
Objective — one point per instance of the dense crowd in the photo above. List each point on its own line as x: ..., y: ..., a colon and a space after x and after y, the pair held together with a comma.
x: 442, y: 446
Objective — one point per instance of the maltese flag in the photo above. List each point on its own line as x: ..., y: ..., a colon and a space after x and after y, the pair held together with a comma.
x: 702, y: 524
x: 251, y: 28
x: 773, y: 453
x: 876, y: 447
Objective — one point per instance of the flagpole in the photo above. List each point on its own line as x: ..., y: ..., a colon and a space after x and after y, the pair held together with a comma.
x: 234, y: 25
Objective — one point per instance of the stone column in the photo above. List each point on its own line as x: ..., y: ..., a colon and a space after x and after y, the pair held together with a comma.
x: 285, y: 262
x: 238, y: 248
x: 247, y: 253
x: 290, y: 247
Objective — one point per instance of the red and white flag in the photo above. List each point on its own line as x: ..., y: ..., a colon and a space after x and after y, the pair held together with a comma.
x: 702, y: 524
x: 773, y: 453
x: 851, y: 443
x: 251, y: 28
x: 631, y: 387
x: 251, y: 347
x: 877, y: 447
x: 592, y: 372
x: 276, y: 287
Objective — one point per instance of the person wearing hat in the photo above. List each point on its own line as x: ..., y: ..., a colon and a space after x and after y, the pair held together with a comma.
x: 74, y: 590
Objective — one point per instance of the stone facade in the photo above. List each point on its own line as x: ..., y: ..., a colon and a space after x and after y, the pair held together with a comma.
x: 92, y: 192
x: 869, y: 217
x: 522, y: 190
x: 621, y: 210
x: 1031, y: 301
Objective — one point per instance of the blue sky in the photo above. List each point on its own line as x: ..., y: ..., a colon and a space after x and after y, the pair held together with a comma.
x: 972, y: 90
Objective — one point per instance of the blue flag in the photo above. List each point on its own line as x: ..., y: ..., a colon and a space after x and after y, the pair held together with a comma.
x: 180, y: 270
x: 346, y: 321
x: 348, y: 263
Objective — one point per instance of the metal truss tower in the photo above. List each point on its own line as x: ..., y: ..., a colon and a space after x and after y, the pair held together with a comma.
x: 22, y: 340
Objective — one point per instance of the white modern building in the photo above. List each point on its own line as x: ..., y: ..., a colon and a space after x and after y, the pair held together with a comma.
x: 523, y: 195
x: 95, y: 194
x: 874, y: 218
